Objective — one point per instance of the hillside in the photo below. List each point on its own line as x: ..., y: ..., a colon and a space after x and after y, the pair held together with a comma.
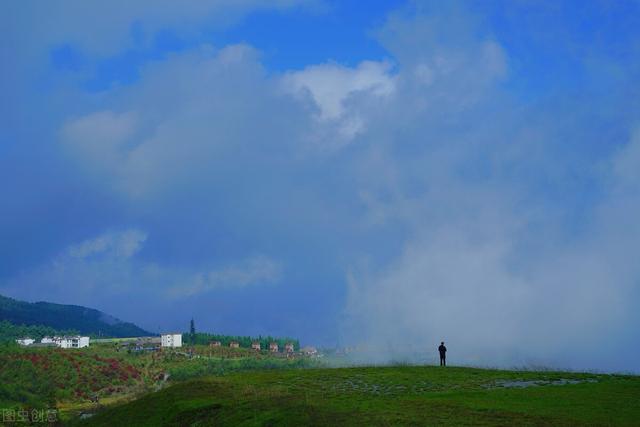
x: 40, y: 378
x: 404, y: 395
x: 66, y: 317
x: 11, y: 332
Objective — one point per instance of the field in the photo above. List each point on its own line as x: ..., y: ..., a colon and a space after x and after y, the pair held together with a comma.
x: 206, y: 386
x: 402, y: 395
x: 71, y: 380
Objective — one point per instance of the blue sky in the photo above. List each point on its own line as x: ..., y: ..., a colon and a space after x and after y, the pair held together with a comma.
x: 400, y: 173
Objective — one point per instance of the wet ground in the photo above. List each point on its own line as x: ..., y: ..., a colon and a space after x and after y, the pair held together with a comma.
x: 536, y: 383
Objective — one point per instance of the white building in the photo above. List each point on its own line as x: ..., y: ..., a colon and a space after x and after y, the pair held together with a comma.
x: 25, y: 341
x: 74, y: 342
x: 171, y: 340
x: 309, y: 351
x: 48, y: 340
x: 67, y: 342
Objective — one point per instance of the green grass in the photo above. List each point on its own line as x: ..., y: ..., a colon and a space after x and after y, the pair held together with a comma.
x: 67, y: 379
x: 384, y: 396
x: 41, y: 377
x: 222, y: 386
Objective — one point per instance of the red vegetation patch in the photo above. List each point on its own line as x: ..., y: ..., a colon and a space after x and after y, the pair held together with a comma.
x: 70, y: 374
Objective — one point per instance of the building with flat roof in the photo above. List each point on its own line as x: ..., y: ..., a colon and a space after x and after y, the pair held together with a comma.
x: 74, y: 341
x: 171, y: 340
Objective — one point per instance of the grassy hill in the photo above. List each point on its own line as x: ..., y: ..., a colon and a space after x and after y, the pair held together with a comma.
x: 39, y: 378
x: 224, y: 386
x: 66, y: 317
x: 387, y: 396
x: 67, y: 379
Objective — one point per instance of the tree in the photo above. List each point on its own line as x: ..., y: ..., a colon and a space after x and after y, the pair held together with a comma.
x: 192, y: 332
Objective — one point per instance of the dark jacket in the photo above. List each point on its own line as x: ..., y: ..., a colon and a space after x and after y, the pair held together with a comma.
x: 442, y: 349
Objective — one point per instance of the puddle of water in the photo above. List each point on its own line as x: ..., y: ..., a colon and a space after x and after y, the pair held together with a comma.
x: 516, y: 384
x: 535, y: 383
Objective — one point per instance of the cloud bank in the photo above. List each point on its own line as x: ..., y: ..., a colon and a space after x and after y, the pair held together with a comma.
x: 447, y: 192
x: 488, y: 265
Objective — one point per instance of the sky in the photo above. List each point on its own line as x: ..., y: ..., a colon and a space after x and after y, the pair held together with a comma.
x: 386, y: 177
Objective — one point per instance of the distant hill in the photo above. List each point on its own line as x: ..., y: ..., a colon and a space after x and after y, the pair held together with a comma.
x: 67, y: 317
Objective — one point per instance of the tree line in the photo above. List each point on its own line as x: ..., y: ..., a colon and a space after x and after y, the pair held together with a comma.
x: 200, y: 338
x: 11, y: 332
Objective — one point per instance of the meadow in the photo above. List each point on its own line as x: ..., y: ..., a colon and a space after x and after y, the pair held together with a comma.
x: 207, y: 386
x: 385, y: 396
x: 71, y: 380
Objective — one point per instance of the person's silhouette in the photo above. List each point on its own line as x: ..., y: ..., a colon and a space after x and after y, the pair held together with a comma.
x: 443, y: 354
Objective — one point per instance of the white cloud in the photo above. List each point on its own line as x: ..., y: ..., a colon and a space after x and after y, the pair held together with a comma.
x: 464, y: 283
x: 470, y: 224
x: 252, y: 271
x: 108, y: 266
x: 115, y: 244
x: 102, y: 266
x: 99, y: 140
x: 486, y: 263
x: 332, y: 86
x: 104, y: 28
x: 186, y: 113
x: 626, y: 163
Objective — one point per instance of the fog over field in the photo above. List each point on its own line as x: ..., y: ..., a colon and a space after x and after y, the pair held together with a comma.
x: 452, y: 173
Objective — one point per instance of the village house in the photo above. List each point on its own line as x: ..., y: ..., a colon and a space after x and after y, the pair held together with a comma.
x: 255, y: 345
x: 234, y: 344
x: 76, y: 341
x: 215, y: 344
x: 288, y: 347
x: 171, y: 340
x: 48, y: 340
x: 148, y: 341
x: 141, y: 344
x: 273, y: 347
x: 309, y: 351
x: 25, y: 341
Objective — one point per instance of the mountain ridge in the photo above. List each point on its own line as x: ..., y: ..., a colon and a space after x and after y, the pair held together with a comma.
x: 67, y: 317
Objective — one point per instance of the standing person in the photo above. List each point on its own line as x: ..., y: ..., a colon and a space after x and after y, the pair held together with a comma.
x: 443, y: 354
